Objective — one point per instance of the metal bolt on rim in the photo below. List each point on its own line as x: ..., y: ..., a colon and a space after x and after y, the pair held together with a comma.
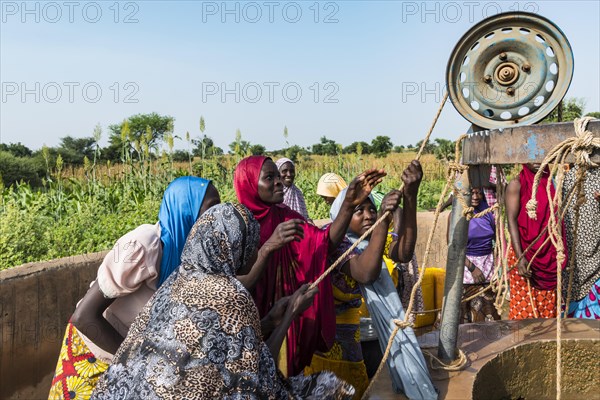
x: 509, y: 70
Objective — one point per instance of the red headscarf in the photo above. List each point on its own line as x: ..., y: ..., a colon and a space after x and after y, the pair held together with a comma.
x: 289, y: 268
x: 543, y: 267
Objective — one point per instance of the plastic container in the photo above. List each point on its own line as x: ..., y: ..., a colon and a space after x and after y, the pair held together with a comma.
x: 428, y: 290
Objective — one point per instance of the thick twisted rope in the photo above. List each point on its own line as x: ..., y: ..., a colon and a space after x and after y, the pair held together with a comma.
x: 581, y: 146
x: 385, y: 214
x: 453, y: 169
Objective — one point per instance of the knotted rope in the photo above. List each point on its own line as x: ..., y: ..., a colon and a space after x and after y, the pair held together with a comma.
x: 581, y: 146
x: 385, y: 214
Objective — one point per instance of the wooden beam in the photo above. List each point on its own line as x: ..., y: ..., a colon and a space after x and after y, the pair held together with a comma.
x: 520, y: 145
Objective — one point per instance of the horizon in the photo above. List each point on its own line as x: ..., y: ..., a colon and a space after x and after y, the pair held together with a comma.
x: 347, y: 70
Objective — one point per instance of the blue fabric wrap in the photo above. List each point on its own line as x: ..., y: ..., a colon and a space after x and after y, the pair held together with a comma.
x: 178, y: 212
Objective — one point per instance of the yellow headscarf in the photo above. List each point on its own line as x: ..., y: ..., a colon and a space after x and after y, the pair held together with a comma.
x: 330, y: 185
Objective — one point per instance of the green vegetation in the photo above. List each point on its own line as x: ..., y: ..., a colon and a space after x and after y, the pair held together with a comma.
x: 79, y: 198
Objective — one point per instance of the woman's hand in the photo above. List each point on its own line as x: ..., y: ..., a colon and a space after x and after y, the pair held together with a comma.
x: 285, y: 233
x: 390, y: 203
x: 361, y: 186
x: 597, y: 196
x: 412, y: 176
x: 477, y: 275
x: 302, y: 299
x: 522, y: 268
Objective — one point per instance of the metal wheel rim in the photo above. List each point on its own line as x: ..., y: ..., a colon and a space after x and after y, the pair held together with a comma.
x: 523, y: 39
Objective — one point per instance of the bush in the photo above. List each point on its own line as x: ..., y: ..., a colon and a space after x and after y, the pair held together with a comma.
x: 15, y: 169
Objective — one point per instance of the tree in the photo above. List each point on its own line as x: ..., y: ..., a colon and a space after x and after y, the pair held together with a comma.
x: 257, y: 149
x: 14, y: 169
x: 326, y: 147
x: 444, y: 149
x: 294, y: 151
x: 572, y: 108
x: 239, y: 147
x: 205, y: 147
x: 381, y: 145
x: 73, y: 150
x: 428, y: 149
x: 16, y: 149
x: 180, y: 156
x: 595, y: 114
x: 354, y: 147
x: 399, y: 149
x: 143, y: 130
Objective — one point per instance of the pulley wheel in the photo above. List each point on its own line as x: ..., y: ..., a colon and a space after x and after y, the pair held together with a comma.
x: 511, y: 69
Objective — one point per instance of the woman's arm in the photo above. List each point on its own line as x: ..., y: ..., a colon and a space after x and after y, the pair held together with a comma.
x: 366, y: 267
x: 405, y: 224
x: 285, y: 233
x: 513, y: 206
x: 88, y: 319
x: 298, y: 302
x: 358, y: 190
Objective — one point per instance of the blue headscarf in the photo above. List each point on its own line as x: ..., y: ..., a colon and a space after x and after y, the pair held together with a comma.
x: 178, y: 212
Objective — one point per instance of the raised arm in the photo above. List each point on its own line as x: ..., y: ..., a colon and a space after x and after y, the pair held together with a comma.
x: 402, y: 247
x: 366, y: 267
x: 358, y: 190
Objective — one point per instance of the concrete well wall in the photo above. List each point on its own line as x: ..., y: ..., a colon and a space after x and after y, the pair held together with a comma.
x: 36, y: 302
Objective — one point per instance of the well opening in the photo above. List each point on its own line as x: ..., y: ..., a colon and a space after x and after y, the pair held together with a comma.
x: 528, y: 372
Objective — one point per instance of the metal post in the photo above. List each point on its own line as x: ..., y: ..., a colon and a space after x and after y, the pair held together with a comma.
x: 453, y: 289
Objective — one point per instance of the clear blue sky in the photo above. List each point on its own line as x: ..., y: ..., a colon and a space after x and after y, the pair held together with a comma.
x: 171, y: 57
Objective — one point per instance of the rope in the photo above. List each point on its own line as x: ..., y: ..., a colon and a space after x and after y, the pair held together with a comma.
x: 453, y: 168
x: 399, y: 324
x: 581, y: 146
x: 386, y: 214
x: 455, y: 365
x: 502, y: 264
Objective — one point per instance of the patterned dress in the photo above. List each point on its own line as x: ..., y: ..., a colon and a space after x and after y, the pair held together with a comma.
x: 345, y: 358
x: 199, y: 337
x: 586, y: 274
x: 521, y: 306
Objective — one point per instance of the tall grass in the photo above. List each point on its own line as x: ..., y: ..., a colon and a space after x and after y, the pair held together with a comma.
x: 82, y: 210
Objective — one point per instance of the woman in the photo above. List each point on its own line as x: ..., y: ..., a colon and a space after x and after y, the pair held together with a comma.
x: 199, y: 337
x: 363, y: 273
x: 329, y: 186
x: 137, y: 264
x: 524, y: 232
x: 479, y: 263
x: 292, y: 196
x: 301, y: 260
x: 585, y: 289
x: 345, y: 358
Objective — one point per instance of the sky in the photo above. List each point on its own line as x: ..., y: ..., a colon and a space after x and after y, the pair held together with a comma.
x: 348, y: 70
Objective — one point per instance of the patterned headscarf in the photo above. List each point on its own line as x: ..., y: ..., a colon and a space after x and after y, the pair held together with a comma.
x: 222, y: 242
x: 199, y: 337
x: 292, y: 195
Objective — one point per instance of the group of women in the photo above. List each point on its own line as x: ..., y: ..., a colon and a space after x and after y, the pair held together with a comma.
x: 213, y: 300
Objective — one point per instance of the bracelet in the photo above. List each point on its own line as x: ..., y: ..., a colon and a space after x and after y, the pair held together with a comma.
x: 472, y: 268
